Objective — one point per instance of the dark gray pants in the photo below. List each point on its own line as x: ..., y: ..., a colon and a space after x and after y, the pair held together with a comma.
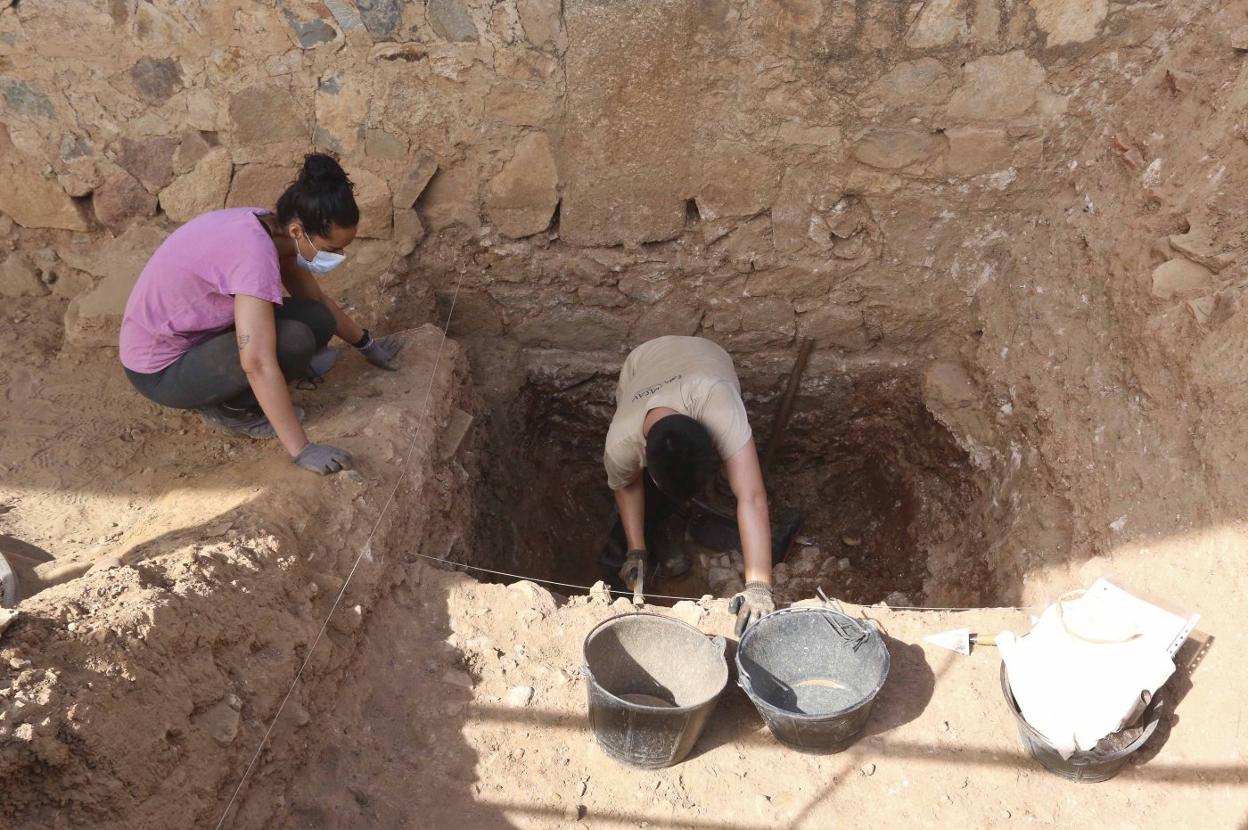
x: 210, y: 373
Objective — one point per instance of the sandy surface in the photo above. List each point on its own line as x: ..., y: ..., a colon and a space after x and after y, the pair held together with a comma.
x: 940, y: 747
x: 138, y: 694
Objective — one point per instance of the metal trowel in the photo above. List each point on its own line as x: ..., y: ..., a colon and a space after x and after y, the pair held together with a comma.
x: 959, y: 640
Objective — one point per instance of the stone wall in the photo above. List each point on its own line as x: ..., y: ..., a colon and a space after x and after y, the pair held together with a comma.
x: 599, y: 172
x: 896, y: 180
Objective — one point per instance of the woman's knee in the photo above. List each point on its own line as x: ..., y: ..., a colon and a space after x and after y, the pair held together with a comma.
x: 316, y: 316
x: 296, y: 343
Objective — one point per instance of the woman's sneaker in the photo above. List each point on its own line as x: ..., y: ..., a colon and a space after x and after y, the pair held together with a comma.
x: 247, y: 422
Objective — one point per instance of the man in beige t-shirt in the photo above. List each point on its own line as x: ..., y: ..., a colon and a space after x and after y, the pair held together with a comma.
x: 678, y: 415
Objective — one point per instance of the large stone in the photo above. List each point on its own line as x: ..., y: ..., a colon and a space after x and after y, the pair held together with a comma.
x: 342, y: 102
x: 372, y: 194
x: 452, y: 199
x: 386, y: 146
x: 634, y: 90
x: 201, y: 190
x: 220, y: 722
x: 24, y: 99
x: 940, y: 23
x: 737, y: 181
x: 1180, y: 279
x: 784, y: 22
x: 408, y: 230
x: 997, y: 86
x: 791, y: 212
x: 796, y: 131
x: 191, y: 149
x: 1202, y: 245
x: 121, y: 199
x: 380, y: 17
x: 521, y: 105
x: 576, y: 328
x: 19, y: 277
x: 792, y: 281
x: 542, y: 23
x: 268, y: 114
x: 94, y: 318
x: 259, y: 185
x: 1069, y: 21
x: 33, y: 201
x: 973, y: 151
x: 415, y: 181
x: 755, y: 322
x: 923, y: 82
x: 452, y: 20
x: 521, y: 199
x: 835, y: 325
x: 665, y: 318
x: 309, y: 28
x: 150, y: 160
x: 156, y: 79
x: 894, y: 149
x: 74, y: 146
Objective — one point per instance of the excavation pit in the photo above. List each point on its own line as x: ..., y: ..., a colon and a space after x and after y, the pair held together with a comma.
x: 883, y: 486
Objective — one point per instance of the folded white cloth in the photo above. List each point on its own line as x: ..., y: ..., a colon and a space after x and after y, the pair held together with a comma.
x: 1080, y: 673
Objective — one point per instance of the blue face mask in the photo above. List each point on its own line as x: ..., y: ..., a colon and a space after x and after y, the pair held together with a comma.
x: 323, y: 262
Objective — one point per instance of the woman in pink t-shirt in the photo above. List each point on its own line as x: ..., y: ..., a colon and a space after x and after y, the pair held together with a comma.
x: 207, y: 326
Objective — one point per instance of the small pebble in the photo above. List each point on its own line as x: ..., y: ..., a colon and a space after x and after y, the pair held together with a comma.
x: 852, y: 541
x: 519, y: 696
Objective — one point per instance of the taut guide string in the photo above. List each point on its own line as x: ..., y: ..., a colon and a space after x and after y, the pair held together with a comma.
x: 364, y: 549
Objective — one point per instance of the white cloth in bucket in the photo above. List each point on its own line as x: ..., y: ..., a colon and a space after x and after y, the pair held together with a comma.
x: 1080, y: 673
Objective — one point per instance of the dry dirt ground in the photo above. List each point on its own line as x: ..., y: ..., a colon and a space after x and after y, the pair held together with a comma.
x: 135, y: 696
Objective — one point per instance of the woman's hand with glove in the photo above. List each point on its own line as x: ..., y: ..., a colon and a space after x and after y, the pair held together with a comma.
x: 381, y: 352
x: 751, y: 605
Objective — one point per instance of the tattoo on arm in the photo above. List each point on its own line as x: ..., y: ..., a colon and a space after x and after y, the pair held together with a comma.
x: 243, y: 340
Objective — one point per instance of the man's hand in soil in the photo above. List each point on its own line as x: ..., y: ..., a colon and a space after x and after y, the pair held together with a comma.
x: 381, y: 352
x: 633, y: 564
x: 323, y: 459
x: 751, y: 605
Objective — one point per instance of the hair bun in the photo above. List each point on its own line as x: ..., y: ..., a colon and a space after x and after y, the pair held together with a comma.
x: 322, y: 171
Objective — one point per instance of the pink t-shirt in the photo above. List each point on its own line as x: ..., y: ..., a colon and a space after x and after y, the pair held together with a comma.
x: 185, y: 294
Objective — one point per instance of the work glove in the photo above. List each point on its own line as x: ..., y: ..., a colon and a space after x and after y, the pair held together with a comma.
x: 323, y: 459
x: 751, y: 605
x: 633, y: 563
x: 381, y: 352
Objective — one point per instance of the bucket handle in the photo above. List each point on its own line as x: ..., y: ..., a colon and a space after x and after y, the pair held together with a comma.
x: 861, y: 634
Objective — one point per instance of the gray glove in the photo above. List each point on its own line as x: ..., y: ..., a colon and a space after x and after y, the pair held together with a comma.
x: 323, y: 459
x: 633, y: 563
x: 381, y: 352
x: 751, y: 605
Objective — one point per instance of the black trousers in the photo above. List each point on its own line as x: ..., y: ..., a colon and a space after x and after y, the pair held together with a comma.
x: 660, y: 511
x: 210, y: 373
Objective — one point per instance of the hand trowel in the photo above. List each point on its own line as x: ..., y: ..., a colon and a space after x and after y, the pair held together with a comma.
x: 960, y: 640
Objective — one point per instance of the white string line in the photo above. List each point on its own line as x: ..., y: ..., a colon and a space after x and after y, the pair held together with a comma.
x: 363, y: 550
x: 452, y: 564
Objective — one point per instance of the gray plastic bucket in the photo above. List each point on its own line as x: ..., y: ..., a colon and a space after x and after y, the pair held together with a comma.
x: 1095, y: 765
x: 813, y: 674
x: 653, y: 682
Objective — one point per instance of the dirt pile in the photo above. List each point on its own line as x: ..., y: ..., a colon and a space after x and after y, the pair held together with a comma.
x: 133, y: 696
x: 1015, y: 233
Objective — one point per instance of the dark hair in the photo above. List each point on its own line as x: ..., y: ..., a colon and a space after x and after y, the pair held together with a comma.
x: 321, y: 198
x: 680, y: 456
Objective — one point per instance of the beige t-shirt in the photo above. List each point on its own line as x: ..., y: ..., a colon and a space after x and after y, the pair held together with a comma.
x: 691, y: 375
